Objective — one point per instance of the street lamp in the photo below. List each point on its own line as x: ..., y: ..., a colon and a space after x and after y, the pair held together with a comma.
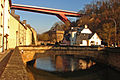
x: 115, y: 29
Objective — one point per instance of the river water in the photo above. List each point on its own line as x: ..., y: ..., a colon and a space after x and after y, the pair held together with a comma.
x: 70, y: 67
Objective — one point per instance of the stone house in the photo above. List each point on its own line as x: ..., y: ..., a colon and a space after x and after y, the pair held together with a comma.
x: 86, y: 38
x: 20, y: 33
x: 17, y: 32
x: 59, y: 36
x: 12, y: 31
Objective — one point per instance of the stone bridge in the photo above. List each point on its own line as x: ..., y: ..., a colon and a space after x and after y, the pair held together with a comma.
x: 15, y: 61
x: 110, y: 56
x: 30, y: 53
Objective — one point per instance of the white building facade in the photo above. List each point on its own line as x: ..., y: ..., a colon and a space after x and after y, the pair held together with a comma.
x: 95, y: 40
x: 73, y: 38
x: 86, y: 38
x: 4, y: 23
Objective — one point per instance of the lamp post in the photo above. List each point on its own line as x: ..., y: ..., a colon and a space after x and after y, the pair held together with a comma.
x: 115, y: 29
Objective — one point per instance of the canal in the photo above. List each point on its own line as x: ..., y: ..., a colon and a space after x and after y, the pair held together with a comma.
x: 69, y: 67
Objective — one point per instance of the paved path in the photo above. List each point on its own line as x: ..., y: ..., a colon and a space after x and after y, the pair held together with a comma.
x: 4, y: 57
x: 15, y: 69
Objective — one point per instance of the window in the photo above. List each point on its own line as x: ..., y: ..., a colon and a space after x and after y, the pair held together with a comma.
x: 1, y: 14
x: 92, y: 41
x: 1, y: 20
x: 96, y: 43
x: 0, y: 40
x: 2, y: 2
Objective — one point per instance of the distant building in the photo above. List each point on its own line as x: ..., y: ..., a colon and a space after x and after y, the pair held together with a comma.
x: 95, y: 40
x: 86, y: 38
x: 59, y: 35
x: 73, y: 36
x: 83, y: 37
x: 65, y: 41
x: 86, y: 30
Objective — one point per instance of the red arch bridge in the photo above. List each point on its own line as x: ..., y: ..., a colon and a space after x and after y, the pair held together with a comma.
x: 61, y: 14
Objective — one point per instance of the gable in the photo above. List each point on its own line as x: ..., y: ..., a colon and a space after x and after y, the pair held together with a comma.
x: 95, y: 36
x: 86, y: 30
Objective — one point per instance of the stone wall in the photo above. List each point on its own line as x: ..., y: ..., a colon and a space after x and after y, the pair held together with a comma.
x: 113, y: 57
x: 31, y: 52
x: 106, y: 56
x: 17, y: 33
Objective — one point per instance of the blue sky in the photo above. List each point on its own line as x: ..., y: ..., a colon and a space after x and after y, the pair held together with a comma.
x: 43, y: 22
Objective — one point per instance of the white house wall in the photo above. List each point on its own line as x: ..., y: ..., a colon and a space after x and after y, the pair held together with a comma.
x: 96, y: 39
x: 73, y: 38
x: 84, y: 43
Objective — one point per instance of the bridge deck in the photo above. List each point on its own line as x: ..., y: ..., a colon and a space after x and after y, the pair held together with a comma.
x: 44, y: 10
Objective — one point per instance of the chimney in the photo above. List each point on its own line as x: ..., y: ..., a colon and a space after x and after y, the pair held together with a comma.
x: 24, y: 21
x: 17, y: 17
x: 12, y: 11
x: 86, y: 26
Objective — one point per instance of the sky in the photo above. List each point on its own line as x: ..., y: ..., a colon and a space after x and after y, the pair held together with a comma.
x: 43, y: 22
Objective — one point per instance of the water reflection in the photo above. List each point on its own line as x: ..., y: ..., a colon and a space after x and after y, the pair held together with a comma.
x: 45, y: 63
x: 70, y: 67
x: 83, y: 64
x: 63, y: 63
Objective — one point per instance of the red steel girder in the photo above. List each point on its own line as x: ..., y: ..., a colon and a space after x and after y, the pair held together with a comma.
x: 61, y: 14
x: 63, y: 18
x: 45, y: 10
